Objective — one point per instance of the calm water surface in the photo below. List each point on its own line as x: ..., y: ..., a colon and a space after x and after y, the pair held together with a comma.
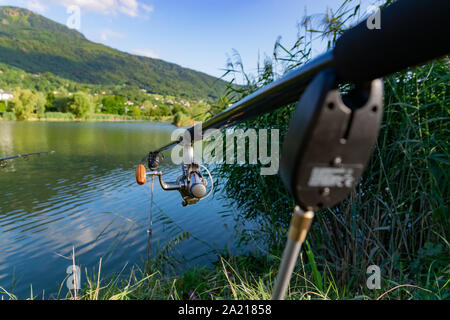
x: 85, y: 196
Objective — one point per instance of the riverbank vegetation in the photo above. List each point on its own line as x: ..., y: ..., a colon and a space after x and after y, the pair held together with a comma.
x: 48, y: 97
x: 396, y: 218
x: 50, y: 68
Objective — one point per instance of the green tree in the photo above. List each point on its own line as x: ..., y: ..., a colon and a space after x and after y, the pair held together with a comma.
x: 180, y: 119
x: 60, y: 101
x: 179, y: 108
x: 163, y: 110
x: 81, y: 104
x: 50, y: 99
x: 41, y: 101
x: 136, y: 112
x: 24, y: 103
x: 114, y: 104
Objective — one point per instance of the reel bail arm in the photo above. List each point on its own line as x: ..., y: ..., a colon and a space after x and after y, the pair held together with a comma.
x: 191, y: 184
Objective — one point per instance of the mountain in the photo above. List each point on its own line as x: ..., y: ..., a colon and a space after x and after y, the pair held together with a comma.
x: 36, y: 44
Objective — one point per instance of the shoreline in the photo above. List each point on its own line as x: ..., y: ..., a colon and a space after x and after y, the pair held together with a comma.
x: 102, y: 118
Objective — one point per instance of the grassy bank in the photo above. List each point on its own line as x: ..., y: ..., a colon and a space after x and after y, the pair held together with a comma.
x: 62, y: 116
x: 239, y: 278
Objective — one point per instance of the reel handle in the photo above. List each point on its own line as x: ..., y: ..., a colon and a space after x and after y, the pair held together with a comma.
x: 141, y: 175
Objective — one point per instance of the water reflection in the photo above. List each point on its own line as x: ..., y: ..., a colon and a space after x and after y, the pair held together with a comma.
x: 85, y: 196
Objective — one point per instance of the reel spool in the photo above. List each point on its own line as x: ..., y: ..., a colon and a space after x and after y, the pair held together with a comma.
x: 191, y: 184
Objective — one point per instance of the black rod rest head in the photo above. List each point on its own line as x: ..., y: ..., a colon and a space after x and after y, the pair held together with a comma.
x: 330, y: 140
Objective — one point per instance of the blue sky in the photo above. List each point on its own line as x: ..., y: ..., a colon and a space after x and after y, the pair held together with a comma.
x: 198, y: 34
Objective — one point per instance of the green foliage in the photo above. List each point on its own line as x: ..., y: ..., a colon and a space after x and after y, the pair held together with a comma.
x: 315, y: 271
x: 163, y: 111
x: 57, y: 116
x: 136, y: 111
x: 9, y: 116
x: 114, y: 105
x: 41, y: 101
x: 38, y: 45
x: 58, y: 100
x: 25, y: 102
x: 180, y: 119
x: 179, y: 108
x: 81, y: 105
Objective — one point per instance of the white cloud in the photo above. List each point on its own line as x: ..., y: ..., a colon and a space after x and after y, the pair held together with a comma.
x: 36, y: 6
x: 132, y: 8
x: 147, y: 8
x: 107, y: 34
x: 33, y: 5
x: 107, y: 7
x: 145, y: 53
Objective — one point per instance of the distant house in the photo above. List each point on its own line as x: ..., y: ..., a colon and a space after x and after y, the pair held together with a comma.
x: 129, y: 103
x: 6, y: 95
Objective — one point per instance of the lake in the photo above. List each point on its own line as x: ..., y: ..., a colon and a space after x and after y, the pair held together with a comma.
x: 85, y: 196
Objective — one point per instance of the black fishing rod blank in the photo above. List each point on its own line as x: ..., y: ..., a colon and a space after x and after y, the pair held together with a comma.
x: 279, y: 93
x: 4, y: 160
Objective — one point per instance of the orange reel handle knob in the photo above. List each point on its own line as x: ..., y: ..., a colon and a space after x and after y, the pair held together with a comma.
x: 140, y: 174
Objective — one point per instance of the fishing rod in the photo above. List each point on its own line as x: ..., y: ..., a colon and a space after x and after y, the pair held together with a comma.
x: 4, y: 160
x: 331, y: 134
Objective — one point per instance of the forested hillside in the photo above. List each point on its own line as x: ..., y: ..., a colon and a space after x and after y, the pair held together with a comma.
x: 38, y: 45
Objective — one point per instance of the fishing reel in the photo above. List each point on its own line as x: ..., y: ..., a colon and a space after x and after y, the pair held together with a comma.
x: 191, y: 184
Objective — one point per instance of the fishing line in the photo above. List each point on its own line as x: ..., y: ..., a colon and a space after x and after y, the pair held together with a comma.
x: 150, y: 230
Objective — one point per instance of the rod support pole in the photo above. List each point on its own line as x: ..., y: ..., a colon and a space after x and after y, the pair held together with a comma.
x: 298, y: 229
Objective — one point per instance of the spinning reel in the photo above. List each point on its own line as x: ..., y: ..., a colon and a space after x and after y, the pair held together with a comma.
x: 191, y: 184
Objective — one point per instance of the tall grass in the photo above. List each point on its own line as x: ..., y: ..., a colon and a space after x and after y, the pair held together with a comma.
x: 397, y: 216
x: 8, y: 116
x: 58, y: 116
